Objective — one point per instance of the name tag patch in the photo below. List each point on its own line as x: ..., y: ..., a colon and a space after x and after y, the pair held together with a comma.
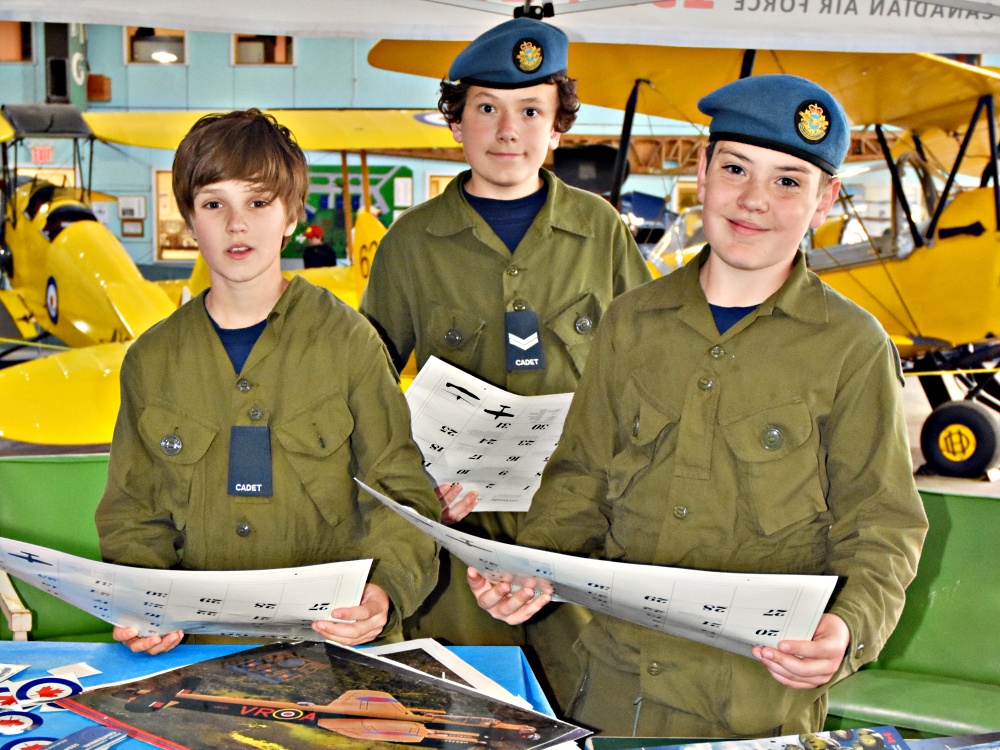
x: 250, y: 461
x: 524, y: 347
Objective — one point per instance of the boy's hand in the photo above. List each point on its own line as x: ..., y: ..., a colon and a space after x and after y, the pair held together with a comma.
x: 808, y: 664
x: 452, y: 509
x: 498, y: 600
x: 151, y: 644
x: 368, y: 619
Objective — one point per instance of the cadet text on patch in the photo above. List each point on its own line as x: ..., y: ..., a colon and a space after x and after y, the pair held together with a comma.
x: 250, y: 461
x: 524, y: 345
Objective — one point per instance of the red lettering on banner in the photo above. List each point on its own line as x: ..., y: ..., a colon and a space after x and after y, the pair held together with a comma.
x: 701, y: 4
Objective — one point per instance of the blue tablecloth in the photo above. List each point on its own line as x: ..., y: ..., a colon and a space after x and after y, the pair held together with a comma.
x: 504, y: 664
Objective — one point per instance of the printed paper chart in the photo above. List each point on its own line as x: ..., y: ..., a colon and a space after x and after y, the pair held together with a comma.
x: 483, y: 437
x: 279, y: 603
x: 733, y: 611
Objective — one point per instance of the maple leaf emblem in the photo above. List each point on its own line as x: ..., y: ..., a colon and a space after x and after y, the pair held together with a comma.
x: 51, y: 691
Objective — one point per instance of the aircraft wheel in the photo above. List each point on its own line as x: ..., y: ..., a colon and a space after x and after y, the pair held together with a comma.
x: 961, y: 439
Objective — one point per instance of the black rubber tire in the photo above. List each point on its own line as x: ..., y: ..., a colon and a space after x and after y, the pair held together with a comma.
x: 973, y: 430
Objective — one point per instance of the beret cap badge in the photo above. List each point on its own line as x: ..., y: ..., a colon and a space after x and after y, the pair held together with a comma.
x: 528, y: 55
x: 812, y: 123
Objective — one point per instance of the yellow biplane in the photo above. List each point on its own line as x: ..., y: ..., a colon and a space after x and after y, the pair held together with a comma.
x: 932, y: 280
x: 68, y: 276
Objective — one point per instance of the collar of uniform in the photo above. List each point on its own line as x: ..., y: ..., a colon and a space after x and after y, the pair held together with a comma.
x: 564, y: 211
x: 276, y: 318
x: 561, y: 210
x: 802, y: 296
x: 679, y: 288
x: 456, y: 215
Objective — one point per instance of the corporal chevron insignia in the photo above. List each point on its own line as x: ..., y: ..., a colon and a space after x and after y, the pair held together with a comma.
x: 525, y: 343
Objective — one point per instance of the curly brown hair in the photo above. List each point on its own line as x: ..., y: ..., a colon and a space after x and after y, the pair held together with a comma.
x: 246, y: 145
x: 452, y: 101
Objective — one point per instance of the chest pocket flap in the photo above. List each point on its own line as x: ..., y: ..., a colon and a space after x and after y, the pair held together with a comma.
x: 317, y: 445
x: 643, y: 420
x: 575, y: 325
x: 174, y: 437
x: 770, y: 434
x: 778, y: 453
x: 320, y: 430
x: 454, y: 334
x: 650, y: 417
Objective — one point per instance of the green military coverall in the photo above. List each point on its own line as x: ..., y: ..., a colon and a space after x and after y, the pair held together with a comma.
x: 320, y: 379
x: 440, y: 284
x: 776, y: 447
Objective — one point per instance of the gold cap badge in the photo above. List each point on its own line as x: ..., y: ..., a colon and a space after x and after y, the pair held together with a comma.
x: 813, y: 124
x: 527, y: 55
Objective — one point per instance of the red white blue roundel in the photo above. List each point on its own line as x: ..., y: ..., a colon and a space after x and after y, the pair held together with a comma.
x: 44, y: 689
x: 52, y: 299
x: 33, y: 743
x: 18, y: 722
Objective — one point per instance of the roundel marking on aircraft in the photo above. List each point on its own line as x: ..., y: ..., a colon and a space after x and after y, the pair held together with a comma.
x: 288, y: 714
x: 431, y: 118
x: 32, y: 743
x: 44, y: 689
x: 52, y: 299
x: 79, y: 67
x: 18, y: 722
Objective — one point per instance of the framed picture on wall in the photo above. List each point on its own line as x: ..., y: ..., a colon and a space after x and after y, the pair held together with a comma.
x: 131, y: 207
x: 132, y: 227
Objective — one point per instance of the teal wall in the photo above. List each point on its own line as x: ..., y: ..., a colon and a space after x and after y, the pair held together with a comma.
x: 326, y: 73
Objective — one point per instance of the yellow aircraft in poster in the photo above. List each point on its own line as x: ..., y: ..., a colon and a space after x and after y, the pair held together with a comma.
x: 931, y: 280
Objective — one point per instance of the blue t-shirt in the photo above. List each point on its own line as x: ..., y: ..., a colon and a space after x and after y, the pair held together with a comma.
x: 238, y: 342
x: 510, y: 219
x: 727, y: 317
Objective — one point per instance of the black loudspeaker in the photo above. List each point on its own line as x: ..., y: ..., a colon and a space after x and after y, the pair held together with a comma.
x: 587, y: 167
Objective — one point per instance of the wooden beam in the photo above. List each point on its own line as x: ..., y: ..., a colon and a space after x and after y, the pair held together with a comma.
x: 345, y: 182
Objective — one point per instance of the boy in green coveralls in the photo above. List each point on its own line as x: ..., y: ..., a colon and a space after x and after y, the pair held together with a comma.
x: 508, y: 249
x: 737, y: 415
x: 246, y: 414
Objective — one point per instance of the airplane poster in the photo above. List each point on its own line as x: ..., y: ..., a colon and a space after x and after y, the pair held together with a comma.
x: 297, y: 696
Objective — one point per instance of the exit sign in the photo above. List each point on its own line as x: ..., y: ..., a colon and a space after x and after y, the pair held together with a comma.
x: 41, y: 154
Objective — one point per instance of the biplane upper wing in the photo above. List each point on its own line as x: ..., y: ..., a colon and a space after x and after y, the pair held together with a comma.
x: 912, y: 91
x: 314, y: 129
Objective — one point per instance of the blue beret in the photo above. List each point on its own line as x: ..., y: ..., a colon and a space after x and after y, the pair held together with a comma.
x: 784, y: 113
x: 514, y: 55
